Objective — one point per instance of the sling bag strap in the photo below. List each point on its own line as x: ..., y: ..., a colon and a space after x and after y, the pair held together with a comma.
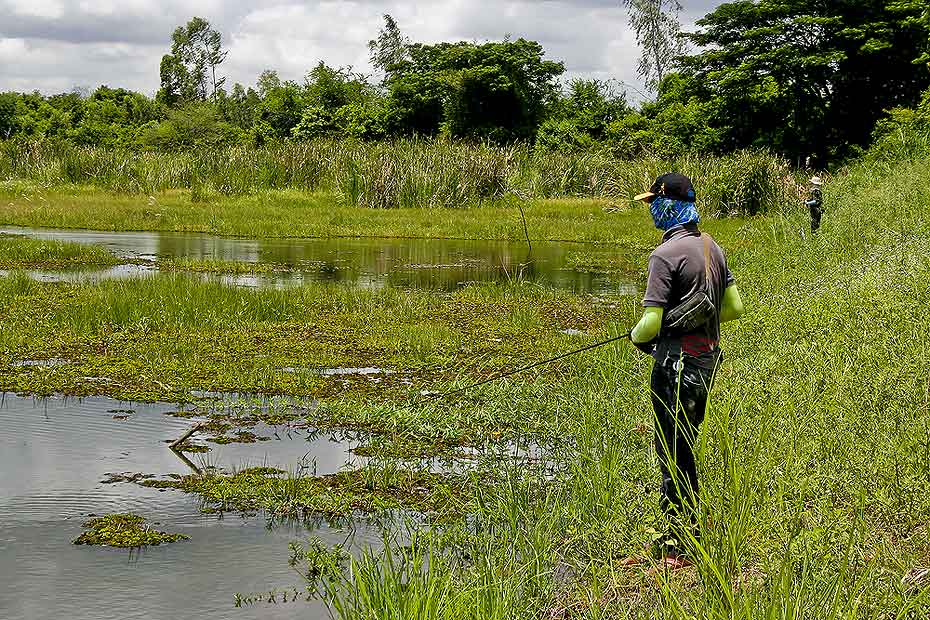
x: 706, y: 260
x: 707, y: 282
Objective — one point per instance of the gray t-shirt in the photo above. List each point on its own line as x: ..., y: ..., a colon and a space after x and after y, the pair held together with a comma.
x: 676, y: 271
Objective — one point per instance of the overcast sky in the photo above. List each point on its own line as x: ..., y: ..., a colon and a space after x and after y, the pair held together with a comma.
x: 55, y: 45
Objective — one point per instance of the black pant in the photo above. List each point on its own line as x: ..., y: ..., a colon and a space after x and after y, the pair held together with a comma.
x: 816, y: 214
x: 679, y: 398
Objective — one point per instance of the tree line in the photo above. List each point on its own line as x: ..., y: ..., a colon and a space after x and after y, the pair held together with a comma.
x: 803, y: 79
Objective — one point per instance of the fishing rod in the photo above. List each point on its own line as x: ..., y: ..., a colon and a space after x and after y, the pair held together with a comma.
x: 176, y: 445
x: 428, y: 397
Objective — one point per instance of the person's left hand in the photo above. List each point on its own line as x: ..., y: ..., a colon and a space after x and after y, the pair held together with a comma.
x: 646, y: 347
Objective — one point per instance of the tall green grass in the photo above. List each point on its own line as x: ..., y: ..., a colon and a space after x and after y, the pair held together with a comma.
x: 403, y: 174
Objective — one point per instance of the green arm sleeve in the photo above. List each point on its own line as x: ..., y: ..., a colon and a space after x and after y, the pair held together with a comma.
x: 648, y: 327
x: 651, y: 323
x: 732, y: 307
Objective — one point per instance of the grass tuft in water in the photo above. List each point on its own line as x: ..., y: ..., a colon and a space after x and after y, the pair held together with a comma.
x: 229, y: 267
x: 25, y: 253
x: 318, y: 563
x: 124, y: 530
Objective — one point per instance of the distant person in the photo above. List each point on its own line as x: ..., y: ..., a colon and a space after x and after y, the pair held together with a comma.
x: 690, y: 291
x: 815, y: 203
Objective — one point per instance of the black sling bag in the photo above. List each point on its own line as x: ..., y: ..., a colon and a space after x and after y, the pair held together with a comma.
x: 698, y: 309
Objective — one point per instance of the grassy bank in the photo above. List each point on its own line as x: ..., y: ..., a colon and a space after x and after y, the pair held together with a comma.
x: 296, y: 214
x: 814, y: 456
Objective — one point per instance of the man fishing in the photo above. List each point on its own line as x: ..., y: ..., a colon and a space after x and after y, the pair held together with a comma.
x: 815, y: 203
x: 690, y: 292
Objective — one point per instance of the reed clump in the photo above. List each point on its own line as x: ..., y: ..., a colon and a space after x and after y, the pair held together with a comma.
x: 412, y: 173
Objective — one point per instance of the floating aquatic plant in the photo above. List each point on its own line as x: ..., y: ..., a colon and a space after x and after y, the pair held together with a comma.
x: 123, y: 530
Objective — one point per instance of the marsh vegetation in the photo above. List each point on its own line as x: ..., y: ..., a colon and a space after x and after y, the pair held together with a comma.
x: 23, y: 253
x: 330, y: 404
x: 814, y: 452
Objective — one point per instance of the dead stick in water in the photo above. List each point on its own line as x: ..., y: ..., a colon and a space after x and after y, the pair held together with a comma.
x: 174, y: 445
x: 526, y: 231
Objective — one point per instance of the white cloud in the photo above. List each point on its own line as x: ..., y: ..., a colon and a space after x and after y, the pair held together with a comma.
x: 51, y: 9
x: 292, y: 38
x: 54, y: 67
x: 52, y: 45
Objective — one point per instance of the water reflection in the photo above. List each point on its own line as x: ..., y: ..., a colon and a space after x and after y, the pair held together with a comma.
x: 438, y: 264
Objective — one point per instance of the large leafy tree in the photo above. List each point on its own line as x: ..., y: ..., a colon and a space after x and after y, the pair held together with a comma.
x: 496, y: 90
x: 331, y: 96
x: 176, y: 83
x: 188, y: 73
x: 579, y: 119
x: 279, y: 110
x: 331, y: 88
x: 916, y: 13
x: 677, y: 122
x: 110, y: 117
x: 240, y: 106
x: 807, y: 78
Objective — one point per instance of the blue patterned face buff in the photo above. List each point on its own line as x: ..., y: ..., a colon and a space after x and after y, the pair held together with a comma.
x: 667, y: 213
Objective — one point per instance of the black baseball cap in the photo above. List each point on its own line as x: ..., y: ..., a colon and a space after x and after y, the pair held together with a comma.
x: 671, y: 185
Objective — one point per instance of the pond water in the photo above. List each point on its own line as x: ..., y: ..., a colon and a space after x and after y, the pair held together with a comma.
x: 440, y: 264
x: 55, y: 454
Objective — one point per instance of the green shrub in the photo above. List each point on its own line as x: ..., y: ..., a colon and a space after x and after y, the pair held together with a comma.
x: 904, y: 133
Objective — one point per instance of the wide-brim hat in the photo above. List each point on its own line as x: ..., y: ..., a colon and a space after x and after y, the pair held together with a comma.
x: 671, y: 185
x: 816, y: 181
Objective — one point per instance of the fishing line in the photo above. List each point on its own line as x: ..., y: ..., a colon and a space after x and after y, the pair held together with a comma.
x: 523, y: 369
x: 175, y: 446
